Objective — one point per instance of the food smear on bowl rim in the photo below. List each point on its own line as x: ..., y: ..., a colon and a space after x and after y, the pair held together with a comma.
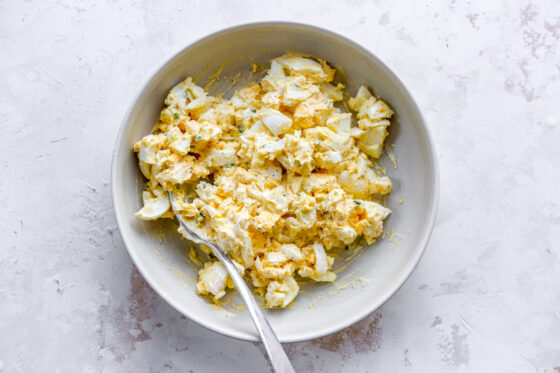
x: 278, y: 176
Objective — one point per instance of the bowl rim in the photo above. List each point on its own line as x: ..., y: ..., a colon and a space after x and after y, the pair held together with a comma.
x: 373, y: 306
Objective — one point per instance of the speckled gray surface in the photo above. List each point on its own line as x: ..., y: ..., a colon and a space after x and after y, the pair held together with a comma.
x: 486, y: 295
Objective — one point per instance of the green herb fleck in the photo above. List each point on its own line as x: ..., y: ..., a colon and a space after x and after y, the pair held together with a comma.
x: 240, y: 129
x: 254, y: 110
x: 358, y: 203
x: 201, y: 214
x: 192, y: 146
x: 211, y: 256
x: 175, y: 115
x: 298, y: 163
x: 198, y: 138
x: 259, y: 228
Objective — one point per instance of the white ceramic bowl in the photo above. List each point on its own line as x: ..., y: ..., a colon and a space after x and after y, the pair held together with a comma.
x: 369, y: 278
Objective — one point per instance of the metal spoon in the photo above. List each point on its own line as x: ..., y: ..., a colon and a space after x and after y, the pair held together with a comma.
x: 276, y: 353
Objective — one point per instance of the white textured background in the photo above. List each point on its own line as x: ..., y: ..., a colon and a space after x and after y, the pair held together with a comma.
x: 486, y: 296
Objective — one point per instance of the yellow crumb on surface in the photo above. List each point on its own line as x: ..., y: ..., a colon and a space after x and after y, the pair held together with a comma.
x: 394, y: 238
x: 238, y: 306
x: 193, y: 255
x: 202, y: 72
x: 391, y: 155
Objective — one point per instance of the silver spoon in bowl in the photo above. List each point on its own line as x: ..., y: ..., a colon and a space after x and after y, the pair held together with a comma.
x: 276, y: 354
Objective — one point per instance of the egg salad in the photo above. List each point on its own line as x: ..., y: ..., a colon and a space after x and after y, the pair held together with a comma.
x: 278, y: 176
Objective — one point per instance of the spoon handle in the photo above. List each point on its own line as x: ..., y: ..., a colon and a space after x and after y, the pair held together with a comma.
x: 276, y: 354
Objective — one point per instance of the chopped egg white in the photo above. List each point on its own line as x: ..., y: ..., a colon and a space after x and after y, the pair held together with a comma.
x: 278, y: 176
x: 156, y: 204
x: 276, y: 122
x: 213, y: 279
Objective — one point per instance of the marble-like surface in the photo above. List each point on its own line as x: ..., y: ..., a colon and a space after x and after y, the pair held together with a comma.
x: 485, y: 297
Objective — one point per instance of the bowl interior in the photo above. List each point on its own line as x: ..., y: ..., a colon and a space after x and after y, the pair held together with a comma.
x: 365, y: 280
